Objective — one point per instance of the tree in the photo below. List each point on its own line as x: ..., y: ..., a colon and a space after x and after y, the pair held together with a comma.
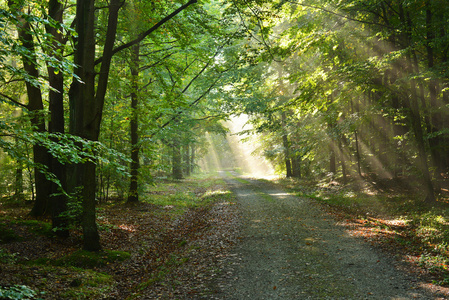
x: 133, y: 194
x: 87, y: 95
x: 35, y: 106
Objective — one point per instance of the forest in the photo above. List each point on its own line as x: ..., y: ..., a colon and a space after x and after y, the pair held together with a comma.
x: 108, y: 105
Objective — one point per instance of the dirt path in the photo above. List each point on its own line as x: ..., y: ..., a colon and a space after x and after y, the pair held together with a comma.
x: 290, y: 249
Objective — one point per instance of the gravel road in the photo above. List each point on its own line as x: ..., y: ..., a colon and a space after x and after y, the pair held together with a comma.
x: 290, y: 249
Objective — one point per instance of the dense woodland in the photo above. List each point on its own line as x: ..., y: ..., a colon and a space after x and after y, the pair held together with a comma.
x: 98, y: 98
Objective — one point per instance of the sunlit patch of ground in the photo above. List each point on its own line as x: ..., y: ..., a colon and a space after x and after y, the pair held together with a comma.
x: 396, y: 237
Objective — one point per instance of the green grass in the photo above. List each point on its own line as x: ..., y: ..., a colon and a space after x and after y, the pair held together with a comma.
x: 87, y: 259
x: 241, y: 180
x: 265, y: 197
x: 89, y: 285
x: 84, y: 259
x: 38, y: 227
x: 8, y: 235
x: 187, y: 194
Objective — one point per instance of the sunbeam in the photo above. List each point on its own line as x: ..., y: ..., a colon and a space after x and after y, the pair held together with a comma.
x: 244, y: 149
x: 211, y: 161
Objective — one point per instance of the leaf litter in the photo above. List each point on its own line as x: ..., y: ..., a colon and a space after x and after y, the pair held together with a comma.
x: 172, y: 254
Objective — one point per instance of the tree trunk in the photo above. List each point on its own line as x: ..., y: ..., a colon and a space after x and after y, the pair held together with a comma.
x: 342, y: 161
x: 56, y: 125
x: 86, y: 106
x: 356, y: 138
x: 415, y: 119
x: 436, y: 122
x: 133, y: 195
x: 35, y: 107
x: 18, y: 184
x: 296, y: 165
x: 82, y: 119
x: 332, y: 162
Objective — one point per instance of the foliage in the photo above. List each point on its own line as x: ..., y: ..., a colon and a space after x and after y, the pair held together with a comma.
x: 341, y: 84
x: 6, y: 257
x: 17, y: 292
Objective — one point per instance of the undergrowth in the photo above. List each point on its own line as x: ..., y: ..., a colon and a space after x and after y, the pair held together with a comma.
x: 63, y: 272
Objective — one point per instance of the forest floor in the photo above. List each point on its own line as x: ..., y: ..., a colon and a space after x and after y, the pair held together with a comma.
x: 205, y: 238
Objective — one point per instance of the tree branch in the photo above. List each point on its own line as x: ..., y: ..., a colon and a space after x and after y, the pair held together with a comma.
x: 339, y: 15
x: 209, y: 117
x: 149, y: 31
x: 155, y: 64
x: 13, y: 101
x: 194, y: 102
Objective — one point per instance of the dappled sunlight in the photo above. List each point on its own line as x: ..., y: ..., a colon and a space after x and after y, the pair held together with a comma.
x: 129, y: 228
x: 371, y: 228
x: 372, y: 162
x: 279, y: 194
x: 215, y: 192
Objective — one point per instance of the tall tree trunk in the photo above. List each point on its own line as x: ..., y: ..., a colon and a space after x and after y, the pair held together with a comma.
x: 35, y: 107
x: 56, y: 125
x: 342, y: 161
x: 399, y: 129
x: 133, y: 195
x: 356, y: 138
x: 82, y: 115
x: 441, y: 18
x: 86, y: 106
x: 297, y: 158
x: 86, y: 103
x: 415, y: 119
x: 332, y: 162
